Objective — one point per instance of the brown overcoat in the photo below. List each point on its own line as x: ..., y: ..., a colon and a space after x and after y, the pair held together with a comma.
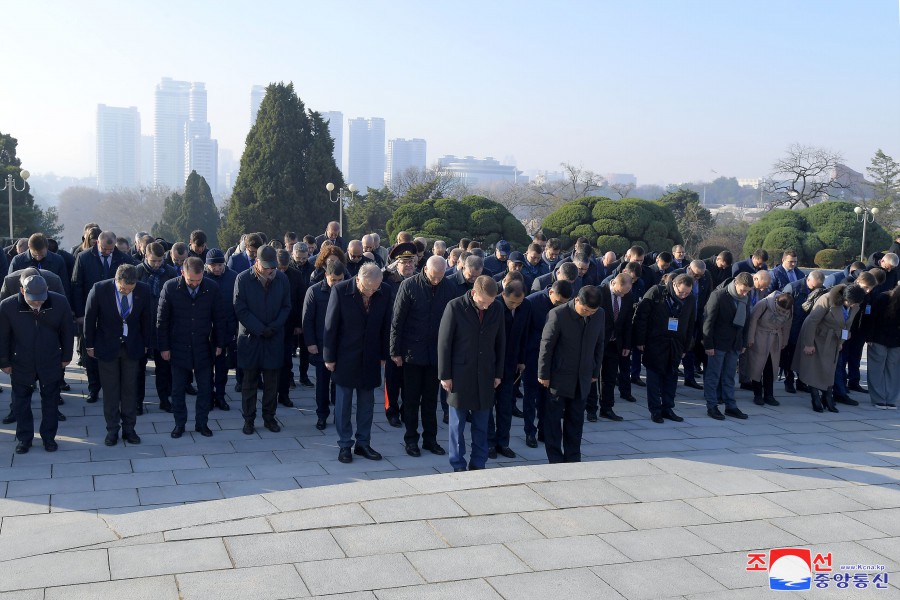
x: 770, y: 328
x: 822, y: 330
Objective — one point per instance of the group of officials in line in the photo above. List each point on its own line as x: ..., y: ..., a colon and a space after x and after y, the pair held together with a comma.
x: 473, y: 330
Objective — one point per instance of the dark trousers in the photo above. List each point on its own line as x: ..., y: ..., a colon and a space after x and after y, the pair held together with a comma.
x: 689, y: 362
x: 163, y: 371
x: 21, y: 408
x: 661, y: 391
x: 287, y: 366
x: 500, y: 417
x: 787, y: 359
x: 181, y: 376
x: 854, y: 346
x: 563, y: 424
x: 636, y: 356
x: 220, y: 372
x: 534, y: 397
x: 325, y: 391
x: 840, y: 373
x: 393, y: 381
x: 766, y: 387
x: 304, y: 362
x: 615, y: 370
x: 420, y: 392
x: 270, y: 393
x: 118, y: 378
x: 92, y: 369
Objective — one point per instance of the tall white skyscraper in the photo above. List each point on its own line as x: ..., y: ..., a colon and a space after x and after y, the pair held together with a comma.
x: 257, y: 93
x: 335, y: 120
x: 365, y: 165
x: 201, y: 152
x: 118, y: 147
x: 172, y: 114
x: 403, y: 154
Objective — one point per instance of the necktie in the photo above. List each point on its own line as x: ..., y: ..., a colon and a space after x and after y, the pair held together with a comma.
x: 105, y: 260
x: 193, y: 293
x: 124, y: 307
x: 792, y: 277
x: 615, y: 308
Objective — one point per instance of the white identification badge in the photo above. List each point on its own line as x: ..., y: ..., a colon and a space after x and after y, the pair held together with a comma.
x: 869, y: 309
x: 845, y: 334
x: 673, y: 324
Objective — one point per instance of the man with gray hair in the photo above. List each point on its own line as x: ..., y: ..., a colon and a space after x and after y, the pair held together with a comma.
x: 92, y: 266
x: 465, y: 277
x: 117, y: 331
x: 355, y: 348
x: 439, y: 248
x: 703, y: 286
x: 800, y: 290
x: 370, y: 244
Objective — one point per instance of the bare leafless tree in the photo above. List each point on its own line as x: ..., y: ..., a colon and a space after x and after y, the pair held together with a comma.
x: 442, y: 182
x: 805, y: 175
x: 576, y: 182
x: 622, y: 189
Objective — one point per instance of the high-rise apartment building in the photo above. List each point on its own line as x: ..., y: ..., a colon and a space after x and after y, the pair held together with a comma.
x: 402, y: 155
x: 257, y: 93
x: 201, y: 152
x: 172, y: 101
x: 118, y: 147
x: 365, y: 164
x: 335, y: 120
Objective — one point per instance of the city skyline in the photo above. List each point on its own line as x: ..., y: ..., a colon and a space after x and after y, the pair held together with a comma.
x: 666, y: 91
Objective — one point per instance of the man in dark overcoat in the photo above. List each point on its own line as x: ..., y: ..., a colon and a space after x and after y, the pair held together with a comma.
x: 618, y: 306
x: 154, y: 271
x: 569, y: 363
x: 225, y: 279
x: 471, y: 350
x: 315, y: 305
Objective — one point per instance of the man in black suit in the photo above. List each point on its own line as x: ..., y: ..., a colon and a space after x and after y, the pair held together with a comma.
x: 39, y: 256
x: 569, y: 363
x: 333, y: 235
x: 703, y: 287
x: 617, y: 302
x: 117, y: 332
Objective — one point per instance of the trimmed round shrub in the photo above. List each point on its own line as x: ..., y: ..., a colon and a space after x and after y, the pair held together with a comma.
x: 616, y: 243
x: 609, y: 226
x: 584, y: 230
x: 708, y: 251
x: 829, y: 259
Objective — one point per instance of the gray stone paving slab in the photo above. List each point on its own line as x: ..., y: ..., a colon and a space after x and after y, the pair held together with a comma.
x: 232, y: 489
x: 820, y: 529
x: 388, y: 538
x: 650, y: 515
x: 22, y: 473
x: 567, y: 494
x: 49, y: 570
x: 133, y: 480
x: 473, y: 589
x: 286, y: 470
x: 282, y: 548
x: 671, y: 577
x: 316, y: 518
x: 746, y: 535
x: 167, y: 558
x: 228, y: 528
x: 560, y: 553
x: 729, y: 569
x: 490, y: 529
x: 24, y: 506
x: 26, y: 523
x: 53, y: 538
x: 873, y: 496
x: 212, y: 475
x: 652, y: 544
x: 653, y: 488
x: 144, y: 588
x: 37, y: 594
x: 812, y: 502
x: 739, y: 508
x: 101, y: 453
x: 584, y: 520
x: 105, y: 467
x: 468, y: 562
x: 196, y: 449
x: 340, y: 494
x: 165, y: 519
x: 143, y: 465
x: 275, y: 582
x: 518, y: 498
x: 582, y: 584
x: 168, y: 494
x: 434, y: 506
x: 358, y: 574
x: 732, y: 483
x: 94, y: 500
x: 452, y: 482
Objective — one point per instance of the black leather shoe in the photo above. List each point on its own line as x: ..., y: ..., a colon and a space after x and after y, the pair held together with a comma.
x: 802, y: 387
x: 286, y: 402
x: 395, y: 422
x: 60, y: 416
x: 223, y: 405
x: 492, y: 453
x: 715, y: 414
x: 842, y: 399
x: 112, y: 438
x: 789, y: 387
x: 517, y: 413
x: 474, y: 468
x: 629, y: 398
x: 23, y: 447
x: 446, y: 419
x: 506, y: 451
x: 591, y: 417
x: 530, y: 441
x: 413, y: 450
x: 307, y: 383
x: 758, y: 400
x: 320, y: 424
x: 165, y: 405
x: 131, y: 437
x: 771, y: 401
x: 139, y: 410
x: 434, y: 449
x: 459, y: 469
x: 177, y: 432
x: 10, y: 418
x: 857, y: 388
x: 670, y: 415
x: 366, y: 452
x: 65, y: 387
x: 735, y: 413
x: 609, y: 414
x: 637, y: 381
x: 693, y: 384
x: 345, y: 456
x: 657, y: 419
x: 190, y: 390
x: 93, y: 397
x: 272, y: 425
x: 249, y: 428
x: 203, y: 430
x: 51, y: 445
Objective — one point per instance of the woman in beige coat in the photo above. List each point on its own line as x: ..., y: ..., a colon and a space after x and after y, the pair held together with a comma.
x: 821, y: 337
x: 770, y: 327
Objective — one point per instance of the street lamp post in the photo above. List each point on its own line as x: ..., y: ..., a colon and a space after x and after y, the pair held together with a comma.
x: 350, y: 189
x: 10, y: 185
x: 865, y: 216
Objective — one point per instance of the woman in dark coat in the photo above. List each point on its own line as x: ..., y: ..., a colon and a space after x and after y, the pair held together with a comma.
x: 823, y: 333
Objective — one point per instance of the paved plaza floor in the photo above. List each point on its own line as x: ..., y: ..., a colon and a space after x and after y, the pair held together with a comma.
x: 655, y: 511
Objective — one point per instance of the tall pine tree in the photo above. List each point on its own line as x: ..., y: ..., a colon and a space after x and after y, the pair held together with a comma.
x: 287, y: 161
x: 183, y: 213
x: 884, y: 176
x: 28, y: 217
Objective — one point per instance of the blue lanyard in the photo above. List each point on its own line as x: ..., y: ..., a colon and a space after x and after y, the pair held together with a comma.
x: 846, y: 313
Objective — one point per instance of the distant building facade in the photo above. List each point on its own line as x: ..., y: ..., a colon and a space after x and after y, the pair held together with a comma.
x: 480, y: 172
x: 118, y: 147
x: 402, y: 155
x: 365, y: 164
x: 335, y: 120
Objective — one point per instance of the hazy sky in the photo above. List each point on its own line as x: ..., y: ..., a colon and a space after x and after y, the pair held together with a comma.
x: 665, y: 89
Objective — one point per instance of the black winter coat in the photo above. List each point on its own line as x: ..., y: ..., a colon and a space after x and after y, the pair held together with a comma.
x: 356, y: 340
x: 52, y: 262
x: 89, y: 270
x: 103, y: 325
x: 571, y: 350
x: 885, y: 323
x: 471, y: 352
x: 35, y: 344
x: 258, y: 309
x: 719, y: 331
x: 190, y: 328
x: 516, y: 334
x: 621, y: 328
x: 663, y: 349
x: 315, y: 304
x: 226, y: 282
x: 418, y: 308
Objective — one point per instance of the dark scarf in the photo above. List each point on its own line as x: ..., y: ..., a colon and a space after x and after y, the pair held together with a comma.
x: 740, y: 315
x: 155, y: 279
